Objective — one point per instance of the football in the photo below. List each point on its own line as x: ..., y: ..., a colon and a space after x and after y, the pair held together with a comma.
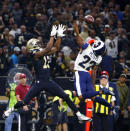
x: 89, y: 19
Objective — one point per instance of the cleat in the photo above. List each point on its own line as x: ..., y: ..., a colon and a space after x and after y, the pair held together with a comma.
x: 8, y: 112
x: 106, y: 91
x: 84, y: 118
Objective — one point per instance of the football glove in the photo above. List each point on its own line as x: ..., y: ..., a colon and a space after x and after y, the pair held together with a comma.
x: 61, y: 30
x: 107, y: 91
x: 54, y: 30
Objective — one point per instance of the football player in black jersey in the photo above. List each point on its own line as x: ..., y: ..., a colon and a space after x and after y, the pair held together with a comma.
x: 42, y: 72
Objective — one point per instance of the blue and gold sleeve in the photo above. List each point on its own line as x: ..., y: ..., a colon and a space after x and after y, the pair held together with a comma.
x: 85, y: 46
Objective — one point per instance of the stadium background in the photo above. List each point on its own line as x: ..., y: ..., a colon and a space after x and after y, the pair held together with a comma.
x: 21, y: 20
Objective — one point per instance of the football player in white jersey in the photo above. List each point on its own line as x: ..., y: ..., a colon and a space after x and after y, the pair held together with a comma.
x: 89, y: 56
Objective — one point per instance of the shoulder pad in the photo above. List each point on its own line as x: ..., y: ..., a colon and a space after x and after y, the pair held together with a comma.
x: 32, y: 52
x: 84, y: 46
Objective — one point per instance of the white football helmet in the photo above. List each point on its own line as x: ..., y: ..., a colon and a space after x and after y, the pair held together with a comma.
x: 33, y: 44
x: 99, y: 47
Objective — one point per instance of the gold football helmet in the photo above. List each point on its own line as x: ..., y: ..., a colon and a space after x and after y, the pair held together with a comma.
x: 33, y: 44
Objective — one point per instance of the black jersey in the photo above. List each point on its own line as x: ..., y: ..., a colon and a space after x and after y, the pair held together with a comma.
x: 41, y: 66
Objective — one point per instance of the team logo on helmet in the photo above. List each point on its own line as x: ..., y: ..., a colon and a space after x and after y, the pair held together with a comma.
x: 32, y: 44
x: 99, y: 47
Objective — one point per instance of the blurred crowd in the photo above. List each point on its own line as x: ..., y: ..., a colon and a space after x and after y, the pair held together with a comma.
x: 22, y: 20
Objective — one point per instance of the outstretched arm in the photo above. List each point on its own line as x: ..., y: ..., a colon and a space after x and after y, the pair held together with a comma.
x: 76, y: 29
x: 46, y: 49
x: 93, y: 76
x: 49, y: 44
x: 60, y: 34
x: 56, y: 46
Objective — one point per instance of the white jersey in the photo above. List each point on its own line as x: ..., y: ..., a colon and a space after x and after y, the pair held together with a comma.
x: 86, y: 58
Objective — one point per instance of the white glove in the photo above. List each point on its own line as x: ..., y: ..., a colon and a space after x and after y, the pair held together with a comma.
x: 54, y: 30
x: 99, y: 60
x: 61, y: 30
